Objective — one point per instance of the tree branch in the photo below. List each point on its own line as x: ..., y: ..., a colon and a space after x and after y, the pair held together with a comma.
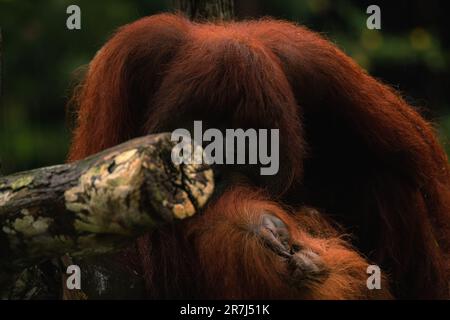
x: 206, y: 9
x: 96, y: 205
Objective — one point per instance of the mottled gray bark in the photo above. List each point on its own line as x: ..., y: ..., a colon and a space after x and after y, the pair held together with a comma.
x: 96, y: 205
x: 206, y: 9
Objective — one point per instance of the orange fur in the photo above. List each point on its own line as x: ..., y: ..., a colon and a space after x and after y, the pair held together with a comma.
x: 349, y: 145
x: 252, y: 271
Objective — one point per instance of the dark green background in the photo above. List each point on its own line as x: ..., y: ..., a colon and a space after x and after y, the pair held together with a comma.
x: 42, y: 60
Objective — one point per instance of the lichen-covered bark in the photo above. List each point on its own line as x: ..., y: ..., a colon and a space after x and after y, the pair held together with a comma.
x: 206, y: 9
x: 97, y: 205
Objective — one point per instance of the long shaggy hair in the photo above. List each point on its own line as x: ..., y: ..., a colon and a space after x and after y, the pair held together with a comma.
x: 350, y: 146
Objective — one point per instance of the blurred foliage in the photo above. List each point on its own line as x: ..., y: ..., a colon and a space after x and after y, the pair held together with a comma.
x: 42, y: 60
